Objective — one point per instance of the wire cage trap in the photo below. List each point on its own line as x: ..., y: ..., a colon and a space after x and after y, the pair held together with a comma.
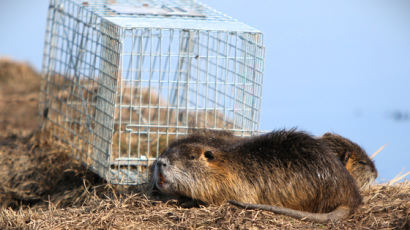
x: 122, y: 79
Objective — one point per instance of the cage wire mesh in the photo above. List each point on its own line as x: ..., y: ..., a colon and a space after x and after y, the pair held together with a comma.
x: 122, y: 79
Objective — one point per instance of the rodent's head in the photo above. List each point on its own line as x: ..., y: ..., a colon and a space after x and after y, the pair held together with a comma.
x: 361, y: 167
x: 192, y: 170
x: 355, y: 159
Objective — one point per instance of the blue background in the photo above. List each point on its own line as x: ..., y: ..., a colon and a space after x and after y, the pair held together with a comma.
x: 341, y: 66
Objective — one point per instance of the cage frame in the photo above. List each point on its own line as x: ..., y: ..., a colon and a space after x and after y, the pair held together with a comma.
x: 93, y: 115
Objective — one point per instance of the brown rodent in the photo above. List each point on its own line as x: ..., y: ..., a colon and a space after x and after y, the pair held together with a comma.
x: 285, y: 172
x: 355, y: 159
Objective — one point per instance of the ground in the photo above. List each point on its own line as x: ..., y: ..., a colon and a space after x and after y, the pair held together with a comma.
x: 42, y: 187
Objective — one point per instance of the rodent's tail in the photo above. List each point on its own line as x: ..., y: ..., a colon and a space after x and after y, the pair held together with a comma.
x: 339, y: 213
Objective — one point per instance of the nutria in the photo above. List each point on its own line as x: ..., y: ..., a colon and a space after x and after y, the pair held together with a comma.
x: 287, y: 172
x: 355, y: 159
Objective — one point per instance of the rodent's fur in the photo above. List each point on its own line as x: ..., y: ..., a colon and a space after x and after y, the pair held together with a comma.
x: 355, y: 159
x: 291, y: 171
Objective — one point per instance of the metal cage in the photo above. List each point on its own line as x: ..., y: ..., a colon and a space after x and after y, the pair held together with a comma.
x: 122, y: 79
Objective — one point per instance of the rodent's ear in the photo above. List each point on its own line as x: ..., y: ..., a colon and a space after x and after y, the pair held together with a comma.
x: 346, y: 157
x: 209, y: 155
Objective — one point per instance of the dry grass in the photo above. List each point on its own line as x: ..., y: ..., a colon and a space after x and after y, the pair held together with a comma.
x: 19, y: 89
x: 43, y: 188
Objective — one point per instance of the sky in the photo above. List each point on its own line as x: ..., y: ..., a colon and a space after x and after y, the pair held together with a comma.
x: 331, y: 66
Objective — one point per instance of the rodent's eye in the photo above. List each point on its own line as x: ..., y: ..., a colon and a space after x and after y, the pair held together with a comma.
x: 362, y: 162
x: 209, y: 155
x: 192, y: 157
